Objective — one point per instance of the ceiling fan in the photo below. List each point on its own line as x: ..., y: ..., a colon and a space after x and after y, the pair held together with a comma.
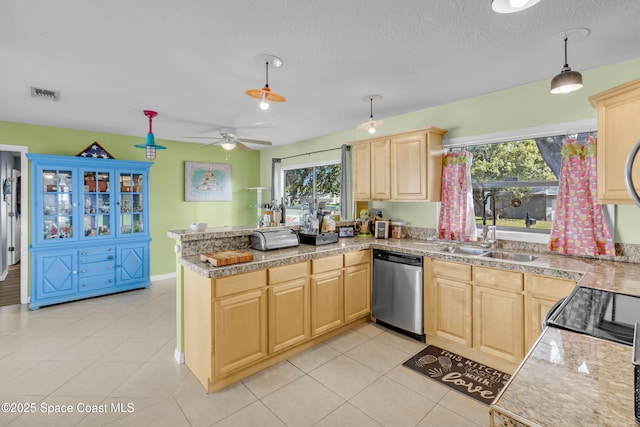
x: 229, y: 139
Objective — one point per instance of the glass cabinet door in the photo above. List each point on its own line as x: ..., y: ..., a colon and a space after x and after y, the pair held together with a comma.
x: 97, y: 204
x: 131, y: 203
x: 57, y: 204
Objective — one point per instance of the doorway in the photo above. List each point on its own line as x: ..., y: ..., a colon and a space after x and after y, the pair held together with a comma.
x: 14, y: 222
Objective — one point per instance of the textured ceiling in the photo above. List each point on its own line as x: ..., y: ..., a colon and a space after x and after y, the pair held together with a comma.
x: 193, y: 60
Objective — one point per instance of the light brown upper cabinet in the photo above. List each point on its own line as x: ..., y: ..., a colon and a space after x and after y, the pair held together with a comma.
x: 618, y: 131
x: 405, y: 166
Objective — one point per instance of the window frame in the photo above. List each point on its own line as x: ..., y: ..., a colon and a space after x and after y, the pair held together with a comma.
x: 567, y: 128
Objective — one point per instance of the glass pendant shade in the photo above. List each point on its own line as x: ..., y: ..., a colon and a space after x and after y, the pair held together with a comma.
x: 150, y: 146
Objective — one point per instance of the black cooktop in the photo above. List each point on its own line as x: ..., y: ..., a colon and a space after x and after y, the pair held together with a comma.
x: 599, y: 313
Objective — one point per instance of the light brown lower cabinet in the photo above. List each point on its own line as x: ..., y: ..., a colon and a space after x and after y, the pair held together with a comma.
x: 489, y: 314
x: 237, y: 325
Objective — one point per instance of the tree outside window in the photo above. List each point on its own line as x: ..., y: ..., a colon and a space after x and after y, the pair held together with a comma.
x: 308, y: 184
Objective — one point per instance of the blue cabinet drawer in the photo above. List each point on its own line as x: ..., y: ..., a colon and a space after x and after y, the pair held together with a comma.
x: 96, y: 268
x: 98, y: 250
x: 91, y: 283
x: 87, y: 259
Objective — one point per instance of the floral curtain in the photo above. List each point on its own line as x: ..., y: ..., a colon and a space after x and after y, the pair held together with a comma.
x: 457, y: 217
x: 579, y: 227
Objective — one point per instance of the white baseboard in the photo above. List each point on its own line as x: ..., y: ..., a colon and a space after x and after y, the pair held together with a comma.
x: 179, y: 356
x: 163, y: 276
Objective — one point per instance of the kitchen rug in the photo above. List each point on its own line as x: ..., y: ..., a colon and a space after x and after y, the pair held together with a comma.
x: 474, y: 379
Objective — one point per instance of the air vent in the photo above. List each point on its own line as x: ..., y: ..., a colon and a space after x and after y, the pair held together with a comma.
x: 45, y: 93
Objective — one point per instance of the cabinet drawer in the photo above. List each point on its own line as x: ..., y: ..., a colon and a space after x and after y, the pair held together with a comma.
x: 499, y: 279
x: 452, y: 270
x: 358, y: 257
x: 288, y: 272
x: 96, y: 282
x: 329, y: 263
x: 240, y: 283
x: 86, y: 259
x: 549, y: 287
x: 98, y: 250
x: 96, y: 268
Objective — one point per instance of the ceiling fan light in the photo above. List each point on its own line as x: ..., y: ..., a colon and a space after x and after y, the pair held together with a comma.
x: 512, y: 6
x: 228, y: 145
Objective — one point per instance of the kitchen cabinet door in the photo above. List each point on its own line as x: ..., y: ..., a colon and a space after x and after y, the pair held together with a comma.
x: 618, y: 131
x: 289, y: 314
x: 542, y: 292
x: 499, y: 323
x: 409, y: 167
x: 240, y: 331
x: 357, y: 291
x: 361, y: 171
x: 326, y: 301
x: 454, y: 311
x: 380, y: 169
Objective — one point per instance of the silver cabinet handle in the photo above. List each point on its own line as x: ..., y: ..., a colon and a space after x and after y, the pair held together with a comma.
x: 110, y: 257
x: 84, y: 252
x: 111, y: 267
x: 84, y: 271
x: 84, y: 285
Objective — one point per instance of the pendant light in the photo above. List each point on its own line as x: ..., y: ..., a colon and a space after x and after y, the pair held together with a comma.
x: 371, y: 125
x: 150, y: 146
x: 512, y: 6
x: 265, y: 95
x: 568, y: 80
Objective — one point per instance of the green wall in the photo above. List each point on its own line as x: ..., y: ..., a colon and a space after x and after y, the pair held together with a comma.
x: 169, y: 211
x: 519, y: 107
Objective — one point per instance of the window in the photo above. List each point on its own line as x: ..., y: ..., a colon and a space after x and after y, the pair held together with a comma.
x: 515, y: 182
x: 305, y: 185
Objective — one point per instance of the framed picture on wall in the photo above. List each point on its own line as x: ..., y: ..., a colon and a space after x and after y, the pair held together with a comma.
x: 207, y: 182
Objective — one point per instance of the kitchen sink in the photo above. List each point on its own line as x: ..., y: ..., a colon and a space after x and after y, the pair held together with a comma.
x: 510, y: 256
x: 466, y: 250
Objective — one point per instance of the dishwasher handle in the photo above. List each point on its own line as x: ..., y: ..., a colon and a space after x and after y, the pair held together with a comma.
x: 397, y: 258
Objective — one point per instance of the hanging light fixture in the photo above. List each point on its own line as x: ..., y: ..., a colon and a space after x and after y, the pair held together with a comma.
x: 568, y: 80
x: 150, y: 146
x: 512, y: 6
x: 371, y: 125
x: 265, y: 95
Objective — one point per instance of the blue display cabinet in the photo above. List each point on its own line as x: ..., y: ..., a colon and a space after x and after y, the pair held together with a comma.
x: 90, y: 227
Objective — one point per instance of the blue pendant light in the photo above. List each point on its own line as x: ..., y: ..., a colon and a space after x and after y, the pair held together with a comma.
x: 151, y: 146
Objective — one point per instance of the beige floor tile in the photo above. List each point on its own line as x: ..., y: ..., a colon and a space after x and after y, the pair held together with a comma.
x: 164, y: 413
x: 347, y: 415
x: 166, y: 354
x: 57, y: 411
x: 9, y: 325
x: 152, y: 380
x: 272, y: 378
x: 11, y: 343
x: 255, y: 414
x: 45, y: 348
x: 378, y: 356
x: 90, y: 348
x: 392, y: 404
x: 135, y: 350
x: 98, y: 379
x: 371, y: 329
x: 13, y: 411
x: 466, y: 407
x: 419, y: 383
x: 43, y: 379
x: 443, y: 417
x: 150, y: 310
x: 123, y: 327
x: 160, y: 327
x: 10, y: 369
x: 302, y: 402
x: 189, y: 382
x: 348, y: 340
x: 106, y: 310
x: 344, y: 376
x: 204, y: 409
x: 316, y: 356
x: 401, y: 342
x: 42, y: 325
x: 84, y: 327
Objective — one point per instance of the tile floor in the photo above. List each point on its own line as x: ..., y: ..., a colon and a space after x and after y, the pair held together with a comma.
x: 109, y: 361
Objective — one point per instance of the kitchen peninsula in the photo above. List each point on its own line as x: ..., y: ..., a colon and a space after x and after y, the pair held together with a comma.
x: 565, y: 375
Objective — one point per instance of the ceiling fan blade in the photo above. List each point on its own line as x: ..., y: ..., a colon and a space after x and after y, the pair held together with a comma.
x: 254, y: 141
x: 241, y: 146
x: 210, y: 144
x: 204, y: 137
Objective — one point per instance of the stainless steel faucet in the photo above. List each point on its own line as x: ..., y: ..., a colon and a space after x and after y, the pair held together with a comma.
x: 489, y: 238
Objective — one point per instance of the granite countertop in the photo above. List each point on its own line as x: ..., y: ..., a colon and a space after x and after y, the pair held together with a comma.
x: 570, y: 379
x: 596, y: 273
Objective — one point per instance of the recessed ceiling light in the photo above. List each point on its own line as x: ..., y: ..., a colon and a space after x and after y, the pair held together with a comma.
x: 512, y: 6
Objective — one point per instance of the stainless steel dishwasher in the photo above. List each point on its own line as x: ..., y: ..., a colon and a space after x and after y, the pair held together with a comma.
x: 398, y: 292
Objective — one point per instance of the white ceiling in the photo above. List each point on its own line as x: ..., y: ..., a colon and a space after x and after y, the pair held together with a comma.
x: 192, y: 60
